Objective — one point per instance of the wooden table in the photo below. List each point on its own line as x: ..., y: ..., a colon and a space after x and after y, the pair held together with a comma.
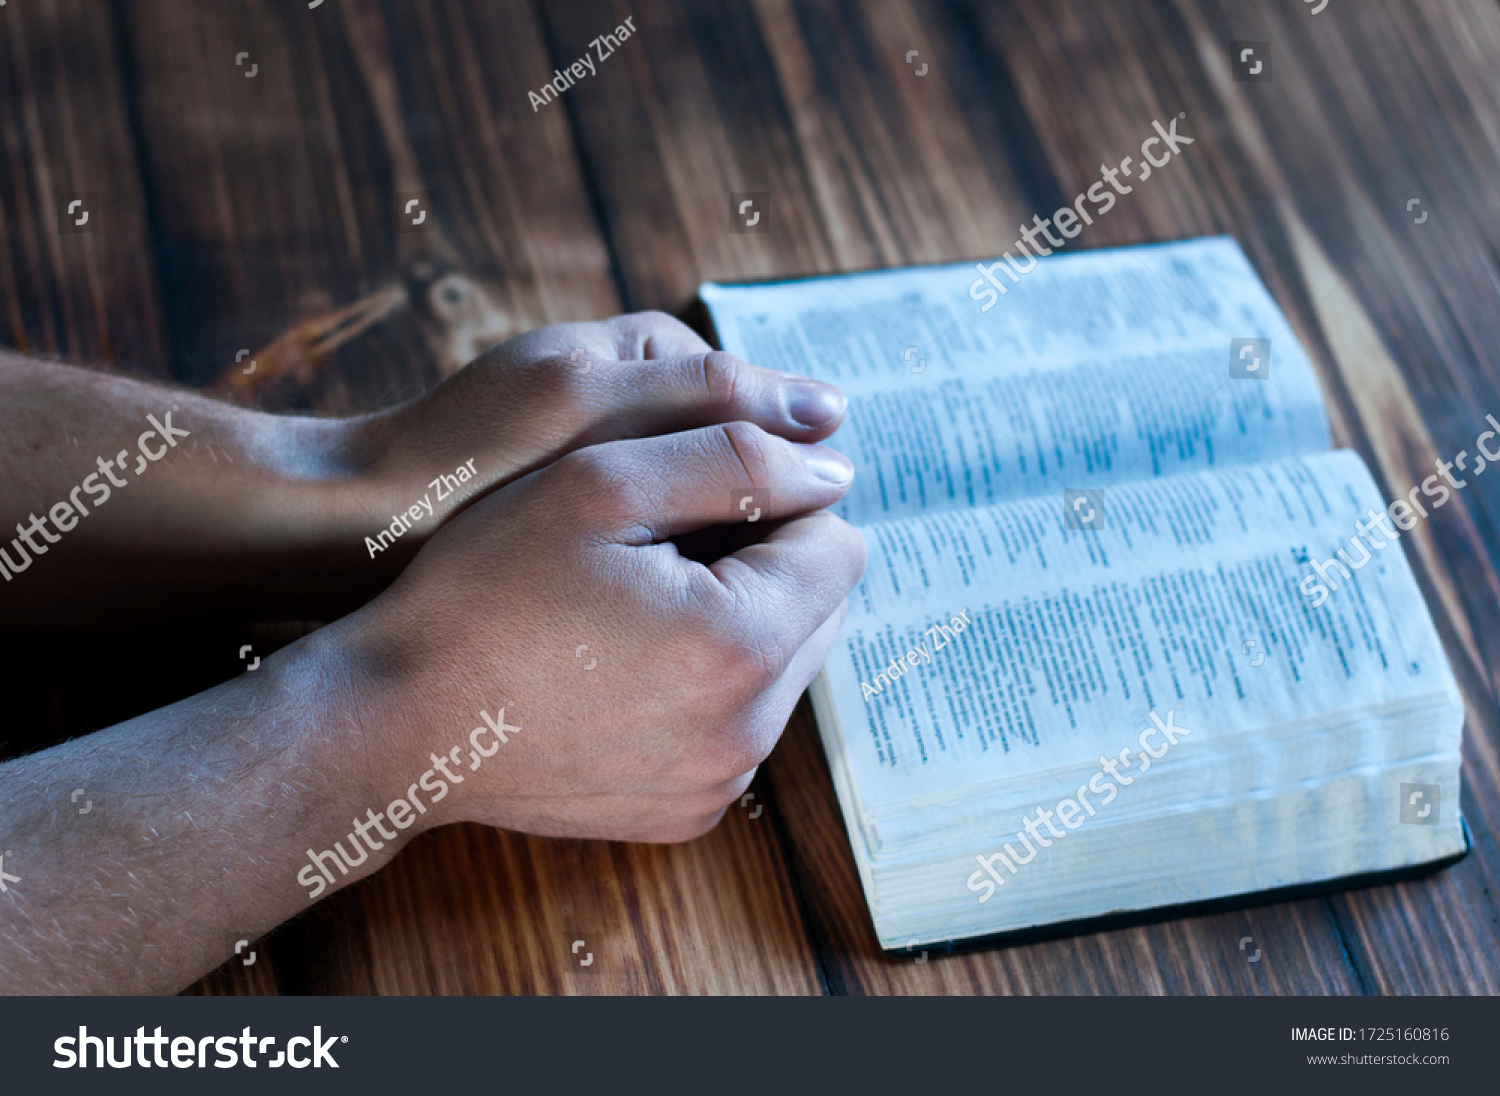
x: 260, y: 212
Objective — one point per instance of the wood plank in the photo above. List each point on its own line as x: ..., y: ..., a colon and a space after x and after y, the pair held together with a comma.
x: 88, y: 292
x: 279, y: 192
x: 1419, y: 373
x: 865, y: 163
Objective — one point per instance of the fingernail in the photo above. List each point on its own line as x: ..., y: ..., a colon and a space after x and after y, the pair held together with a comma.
x: 829, y: 465
x: 813, y: 403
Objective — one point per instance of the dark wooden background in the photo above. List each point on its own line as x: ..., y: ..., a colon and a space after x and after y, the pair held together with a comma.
x: 259, y: 213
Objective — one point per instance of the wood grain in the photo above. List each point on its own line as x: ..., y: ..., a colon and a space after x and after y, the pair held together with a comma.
x: 90, y: 294
x: 262, y: 214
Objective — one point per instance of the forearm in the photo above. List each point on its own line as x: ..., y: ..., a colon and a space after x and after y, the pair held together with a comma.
x: 112, y: 515
x: 197, y: 820
x: 245, y: 513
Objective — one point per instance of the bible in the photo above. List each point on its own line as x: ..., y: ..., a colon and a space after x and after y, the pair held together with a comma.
x: 1133, y: 640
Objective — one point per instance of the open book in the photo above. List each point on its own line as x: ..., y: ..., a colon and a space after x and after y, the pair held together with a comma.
x: 1100, y: 664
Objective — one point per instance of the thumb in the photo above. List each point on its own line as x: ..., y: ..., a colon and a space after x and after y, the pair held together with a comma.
x: 645, y: 490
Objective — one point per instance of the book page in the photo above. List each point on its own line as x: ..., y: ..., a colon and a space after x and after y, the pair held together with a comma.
x: 1093, y: 369
x: 995, y: 644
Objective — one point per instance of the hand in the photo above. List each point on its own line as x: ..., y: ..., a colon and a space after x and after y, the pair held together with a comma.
x: 281, y: 515
x: 556, y: 389
x: 698, y: 667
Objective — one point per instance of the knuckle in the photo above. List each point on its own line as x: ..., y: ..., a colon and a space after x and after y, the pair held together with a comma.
x: 571, y: 372
x: 721, y: 377
x: 654, y: 319
x: 558, y: 379
x: 598, y: 483
x: 634, y: 331
x: 845, y: 545
x: 739, y: 667
x: 713, y: 763
x: 743, y: 754
x: 750, y: 447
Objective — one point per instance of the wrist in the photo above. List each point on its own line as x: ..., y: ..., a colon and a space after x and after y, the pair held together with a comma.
x: 376, y: 682
x: 345, y: 760
x: 329, y: 496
